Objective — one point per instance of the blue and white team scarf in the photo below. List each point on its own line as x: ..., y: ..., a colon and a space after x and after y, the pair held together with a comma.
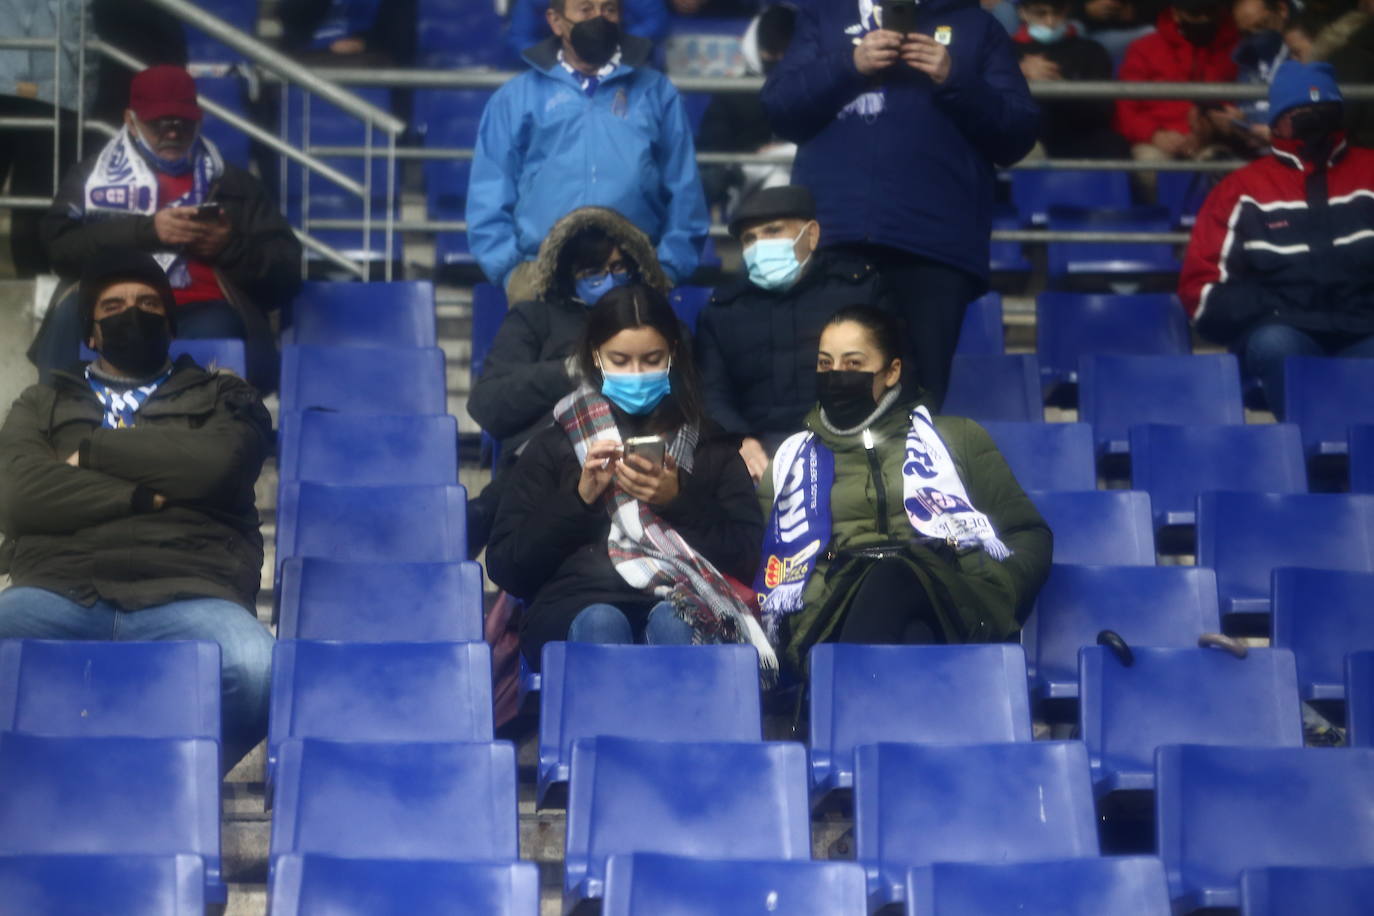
x: 799, y: 527
x: 123, y: 183
x: 121, y: 405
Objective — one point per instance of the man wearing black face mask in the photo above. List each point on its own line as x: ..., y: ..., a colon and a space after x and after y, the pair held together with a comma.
x: 126, y: 495
x: 1281, y: 262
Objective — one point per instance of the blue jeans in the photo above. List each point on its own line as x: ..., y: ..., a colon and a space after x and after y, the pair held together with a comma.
x: 1266, y: 348
x: 605, y: 623
x: 245, y: 646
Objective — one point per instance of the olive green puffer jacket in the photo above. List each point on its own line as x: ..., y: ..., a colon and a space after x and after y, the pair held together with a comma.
x: 977, y: 598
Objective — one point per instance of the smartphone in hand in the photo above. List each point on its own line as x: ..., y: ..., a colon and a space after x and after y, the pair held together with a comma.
x: 651, y: 448
x: 208, y: 213
x: 899, y: 16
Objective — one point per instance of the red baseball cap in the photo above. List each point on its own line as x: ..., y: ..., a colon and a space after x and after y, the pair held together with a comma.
x: 165, y: 91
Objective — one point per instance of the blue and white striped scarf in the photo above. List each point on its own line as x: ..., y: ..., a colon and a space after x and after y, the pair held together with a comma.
x: 122, y: 404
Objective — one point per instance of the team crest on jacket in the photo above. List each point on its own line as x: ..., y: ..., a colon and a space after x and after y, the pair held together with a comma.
x: 944, y: 34
x: 1314, y: 93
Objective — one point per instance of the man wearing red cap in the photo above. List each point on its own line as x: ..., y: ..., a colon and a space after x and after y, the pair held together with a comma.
x: 160, y: 187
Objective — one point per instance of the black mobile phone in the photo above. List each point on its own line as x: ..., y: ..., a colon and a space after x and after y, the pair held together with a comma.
x: 899, y: 16
x: 648, y: 447
x: 208, y: 213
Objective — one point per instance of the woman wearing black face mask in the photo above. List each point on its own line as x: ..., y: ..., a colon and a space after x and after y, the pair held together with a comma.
x: 887, y: 525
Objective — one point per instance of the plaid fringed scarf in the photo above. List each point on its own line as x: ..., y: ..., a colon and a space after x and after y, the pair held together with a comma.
x: 650, y: 555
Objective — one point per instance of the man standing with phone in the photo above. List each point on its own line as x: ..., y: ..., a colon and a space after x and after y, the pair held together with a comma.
x: 902, y: 112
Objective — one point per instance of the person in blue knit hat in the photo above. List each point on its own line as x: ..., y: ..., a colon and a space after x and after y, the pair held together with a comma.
x: 1281, y: 262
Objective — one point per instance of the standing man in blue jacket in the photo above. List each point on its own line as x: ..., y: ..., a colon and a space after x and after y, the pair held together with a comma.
x: 899, y: 130
x: 587, y: 125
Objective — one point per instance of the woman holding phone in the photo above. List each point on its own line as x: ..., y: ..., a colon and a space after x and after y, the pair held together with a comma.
x: 623, y: 521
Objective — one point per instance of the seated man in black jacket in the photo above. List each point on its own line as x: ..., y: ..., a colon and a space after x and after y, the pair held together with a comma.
x: 126, y: 495
x: 756, y: 341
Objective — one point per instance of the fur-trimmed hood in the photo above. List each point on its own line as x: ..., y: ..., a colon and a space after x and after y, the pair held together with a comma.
x: 630, y: 239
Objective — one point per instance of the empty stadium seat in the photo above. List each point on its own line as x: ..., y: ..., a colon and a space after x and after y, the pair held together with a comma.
x: 916, y: 804
x: 1118, y: 886
x: 1102, y: 265
x: 431, y: 800
x: 202, y: 49
x: 448, y: 119
x: 363, y: 315
x: 1034, y: 191
x: 1117, y: 392
x: 459, y: 33
x: 1322, y: 614
x: 1072, y: 325
x: 386, y: 692
x: 488, y: 311
x: 1047, y: 456
x: 860, y: 695
x: 1166, y: 606
x: 1325, y: 396
x: 359, y: 450
x: 312, y: 884
x: 994, y: 388
x: 1359, y: 704
x: 124, y: 796
x: 380, y: 602
x: 112, y: 885
x: 1183, y: 193
x: 105, y: 689
x: 590, y: 690
x: 1176, y: 463
x: 1362, y: 458
x: 688, y: 303
x: 1245, y: 536
x: 1289, y: 891
x: 210, y: 353
x: 1180, y: 696
x: 743, y: 800
x: 644, y: 884
x: 981, y: 333
x: 364, y: 379
x: 229, y: 90
x: 1099, y: 527
x: 1222, y: 810
x: 1007, y: 260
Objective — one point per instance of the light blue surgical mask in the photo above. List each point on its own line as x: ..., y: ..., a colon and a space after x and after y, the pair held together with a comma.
x: 636, y: 393
x: 170, y: 167
x: 1047, y: 34
x: 590, y: 289
x: 773, y: 263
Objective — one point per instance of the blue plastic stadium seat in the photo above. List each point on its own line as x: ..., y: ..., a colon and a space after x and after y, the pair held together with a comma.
x: 995, y: 388
x: 448, y: 119
x: 1104, y: 263
x: 202, y: 49
x: 1176, y: 463
x: 1071, y: 325
x: 1245, y: 536
x: 231, y: 92
x: 742, y: 800
x: 113, y: 885
x: 108, y: 689
x: 430, y: 800
x: 1007, y: 258
x: 1118, y: 886
x: 1183, y: 193
x: 488, y: 311
x: 1180, y: 696
x: 380, y: 602
x: 1322, y: 614
x: 1099, y: 527
x: 1036, y: 190
x: 860, y: 695
x: 981, y: 334
x: 644, y: 884
x: 688, y: 302
x: 1359, y: 704
x: 364, y: 379
x: 1287, y: 891
x: 1362, y: 458
x: 1325, y: 397
x: 459, y: 33
x: 356, y: 450
x: 310, y: 884
x: 589, y: 691
x: 1166, y: 606
x: 1047, y: 456
x: 917, y: 804
x: 1118, y: 392
x: 387, y: 692
x: 1222, y: 810
x: 397, y: 314
x: 210, y: 353
x: 330, y: 125
x: 124, y: 796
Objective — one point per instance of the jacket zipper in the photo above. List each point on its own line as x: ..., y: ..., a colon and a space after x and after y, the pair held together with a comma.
x: 875, y: 470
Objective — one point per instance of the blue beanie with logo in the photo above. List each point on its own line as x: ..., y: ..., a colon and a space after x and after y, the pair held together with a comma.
x: 1301, y: 84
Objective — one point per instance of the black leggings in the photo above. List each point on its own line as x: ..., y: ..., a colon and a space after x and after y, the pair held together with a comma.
x: 891, y: 607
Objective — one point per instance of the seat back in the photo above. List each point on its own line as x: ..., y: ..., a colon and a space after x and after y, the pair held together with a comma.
x: 688, y: 303
x: 1120, y: 886
x: 305, y: 884
x: 488, y: 311
x: 644, y: 884
x: 1221, y: 810
x: 1359, y: 704
x: 368, y: 380
x: 380, y: 602
x: 994, y: 388
x: 1325, y: 396
x: 860, y: 695
x: 113, y: 885
x: 1103, y: 263
x: 399, y: 314
x: 981, y: 333
x: 1117, y: 392
x: 1071, y: 325
x: 1034, y: 191
x: 62, y: 688
x: 1362, y: 458
x: 431, y: 800
x: 1322, y: 614
x: 1099, y: 527
x: 379, y: 450
x: 1284, y: 891
x: 1047, y: 456
x: 589, y: 691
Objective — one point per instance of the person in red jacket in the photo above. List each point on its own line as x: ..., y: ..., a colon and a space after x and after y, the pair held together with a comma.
x: 1281, y: 262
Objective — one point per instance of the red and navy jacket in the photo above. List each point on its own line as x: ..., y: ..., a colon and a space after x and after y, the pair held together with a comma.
x: 1283, y: 240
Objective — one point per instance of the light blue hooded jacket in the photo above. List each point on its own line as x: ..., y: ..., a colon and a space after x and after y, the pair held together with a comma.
x: 545, y: 148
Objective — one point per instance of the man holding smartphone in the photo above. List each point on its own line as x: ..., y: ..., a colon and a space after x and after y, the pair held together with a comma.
x: 901, y: 113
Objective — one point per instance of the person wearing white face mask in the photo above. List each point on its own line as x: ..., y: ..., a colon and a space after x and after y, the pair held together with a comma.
x: 756, y: 341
